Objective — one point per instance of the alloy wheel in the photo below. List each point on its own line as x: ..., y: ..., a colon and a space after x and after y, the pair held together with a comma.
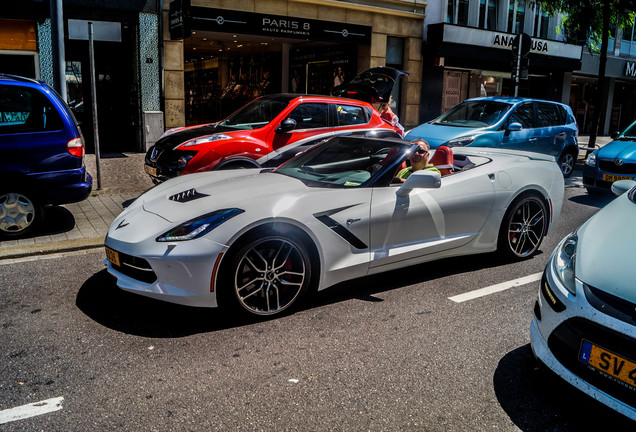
x: 567, y: 164
x: 526, y: 227
x: 270, y: 275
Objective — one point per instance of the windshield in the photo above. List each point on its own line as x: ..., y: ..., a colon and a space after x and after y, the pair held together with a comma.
x: 256, y: 114
x: 345, y: 162
x: 473, y: 114
x: 628, y: 134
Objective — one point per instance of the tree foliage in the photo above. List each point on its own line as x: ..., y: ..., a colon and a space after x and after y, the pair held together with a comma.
x: 592, y: 23
x: 583, y: 21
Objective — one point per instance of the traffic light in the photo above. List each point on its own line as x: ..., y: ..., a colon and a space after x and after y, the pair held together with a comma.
x: 523, y: 68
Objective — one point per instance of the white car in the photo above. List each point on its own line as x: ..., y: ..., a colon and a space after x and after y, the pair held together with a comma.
x: 258, y: 239
x: 584, y: 324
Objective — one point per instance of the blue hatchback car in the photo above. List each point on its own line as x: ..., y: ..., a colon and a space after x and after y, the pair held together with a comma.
x: 506, y: 122
x: 41, y: 154
x: 612, y: 162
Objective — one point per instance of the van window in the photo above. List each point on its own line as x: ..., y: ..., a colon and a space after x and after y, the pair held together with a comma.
x: 350, y: 115
x: 23, y: 109
x: 523, y: 114
x: 548, y: 115
x: 310, y: 115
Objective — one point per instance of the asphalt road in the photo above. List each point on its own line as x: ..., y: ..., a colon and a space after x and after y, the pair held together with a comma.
x: 387, y: 353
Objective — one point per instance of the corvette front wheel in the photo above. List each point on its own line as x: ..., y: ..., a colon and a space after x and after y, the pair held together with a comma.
x: 523, y: 227
x: 268, y: 275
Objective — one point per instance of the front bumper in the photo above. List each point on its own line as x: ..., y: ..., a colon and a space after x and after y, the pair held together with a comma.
x: 556, y: 340
x: 176, y: 272
x: 593, y: 178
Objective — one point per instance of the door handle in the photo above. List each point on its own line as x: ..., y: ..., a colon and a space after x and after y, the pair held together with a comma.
x: 532, y: 140
x: 350, y: 220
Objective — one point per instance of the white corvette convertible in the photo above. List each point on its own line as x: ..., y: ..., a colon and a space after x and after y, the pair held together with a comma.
x: 256, y: 240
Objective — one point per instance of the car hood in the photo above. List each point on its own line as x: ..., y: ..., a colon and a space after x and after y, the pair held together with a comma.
x: 625, y: 150
x: 183, y: 198
x: 372, y: 85
x: 171, y: 140
x: 605, y: 257
x: 436, y: 135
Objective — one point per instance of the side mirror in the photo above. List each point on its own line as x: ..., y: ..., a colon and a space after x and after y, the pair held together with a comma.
x: 621, y: 186
x: 286, y: 125
x: 513, y: 127
x: 615, y: 134
x: 422, y: 179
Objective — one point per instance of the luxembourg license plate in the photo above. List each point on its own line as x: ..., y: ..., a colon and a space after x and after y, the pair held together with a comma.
x: 614, y: 177
x: 112, y: 256
x: 611, y: 364
x: 150, y: 170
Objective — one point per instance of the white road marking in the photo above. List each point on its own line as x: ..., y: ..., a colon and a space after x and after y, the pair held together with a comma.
x: 471, y: 295
x: 31, y: 410
x: 52, y: 255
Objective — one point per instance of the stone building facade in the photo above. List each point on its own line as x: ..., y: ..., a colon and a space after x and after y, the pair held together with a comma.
x: 218, y: 54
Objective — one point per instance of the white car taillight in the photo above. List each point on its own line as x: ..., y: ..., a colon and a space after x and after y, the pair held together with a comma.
x: 76, y: 147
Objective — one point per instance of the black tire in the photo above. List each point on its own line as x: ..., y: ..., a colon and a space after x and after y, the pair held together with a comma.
x: 566, y: 162
x: 523, y: 227
x: 20, y: 213
x: 266, y: 275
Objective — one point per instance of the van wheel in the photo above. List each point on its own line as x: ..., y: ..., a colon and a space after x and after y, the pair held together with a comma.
x: 20, y: 212
x: 566, y: 163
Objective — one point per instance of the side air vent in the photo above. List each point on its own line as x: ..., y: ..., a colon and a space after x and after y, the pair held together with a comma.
x: 185, y: 196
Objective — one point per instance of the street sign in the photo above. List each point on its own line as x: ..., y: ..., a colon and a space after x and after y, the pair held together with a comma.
x: 526, y: 44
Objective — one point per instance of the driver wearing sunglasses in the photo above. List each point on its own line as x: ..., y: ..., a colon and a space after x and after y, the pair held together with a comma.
x: 419, y: 160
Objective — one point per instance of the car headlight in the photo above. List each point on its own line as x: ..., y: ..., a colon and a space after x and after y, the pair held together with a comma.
x: 591, y: 160
x: 564, y: 262
x: 197, y: 227
x: 461, y: 141
x: 205, y: 139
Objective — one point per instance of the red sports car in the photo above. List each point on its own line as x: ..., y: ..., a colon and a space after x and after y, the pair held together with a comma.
x: 266, y: 127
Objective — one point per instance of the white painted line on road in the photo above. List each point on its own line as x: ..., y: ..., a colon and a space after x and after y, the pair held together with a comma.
x: 31, y: 410
x: 52, y: 255
x: 496, y: 288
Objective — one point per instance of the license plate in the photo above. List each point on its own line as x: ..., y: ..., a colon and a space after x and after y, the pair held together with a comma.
x: 112, y: 256
x: 610, y: 364
x: 150, y: 170
x: 614, y: 177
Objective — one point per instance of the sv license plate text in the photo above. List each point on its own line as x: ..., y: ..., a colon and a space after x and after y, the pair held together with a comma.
x: 612, y: 364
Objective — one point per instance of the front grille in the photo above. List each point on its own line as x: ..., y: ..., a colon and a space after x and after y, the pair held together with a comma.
x: 610, y: 167
x: 611, y: 305
x: 136, y: 268
x: 565, y: 343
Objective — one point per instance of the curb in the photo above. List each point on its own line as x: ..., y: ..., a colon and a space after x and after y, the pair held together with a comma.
x: 51, y: 247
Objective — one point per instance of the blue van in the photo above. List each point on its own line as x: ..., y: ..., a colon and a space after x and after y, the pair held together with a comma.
x: 506, y: 122
x: 41, y: 155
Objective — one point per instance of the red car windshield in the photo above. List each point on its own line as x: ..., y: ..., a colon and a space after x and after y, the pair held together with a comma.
x: 256, y: 114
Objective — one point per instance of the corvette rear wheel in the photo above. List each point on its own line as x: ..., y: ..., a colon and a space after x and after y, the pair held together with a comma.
x: 270, y: 274
x: 523, y: 227
x: 19, y: 213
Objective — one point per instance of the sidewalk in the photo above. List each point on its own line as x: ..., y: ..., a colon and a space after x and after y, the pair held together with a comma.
x: 84, y: 225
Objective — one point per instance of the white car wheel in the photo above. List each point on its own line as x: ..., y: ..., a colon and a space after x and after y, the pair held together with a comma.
x: 523, y: 227
x: 270, y: 274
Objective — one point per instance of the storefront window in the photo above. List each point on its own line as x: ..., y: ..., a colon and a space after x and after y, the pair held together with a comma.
x: 395, y: 59
x: 488, y: 14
